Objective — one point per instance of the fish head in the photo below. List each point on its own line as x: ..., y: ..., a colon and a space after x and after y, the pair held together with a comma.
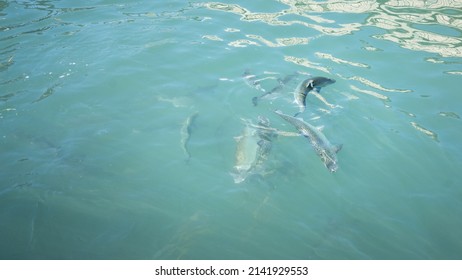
x: 321, y: 82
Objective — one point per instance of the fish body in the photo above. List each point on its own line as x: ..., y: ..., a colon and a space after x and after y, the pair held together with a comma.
x: 315, y: 83
x: 252, y: 81
x: 246, y: 150
x: 253, y: 148
x: 323, y: 148
x: 282, y: 83
x: 186, y: 134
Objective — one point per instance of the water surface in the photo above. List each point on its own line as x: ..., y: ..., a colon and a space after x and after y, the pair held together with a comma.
x: 94, y: 96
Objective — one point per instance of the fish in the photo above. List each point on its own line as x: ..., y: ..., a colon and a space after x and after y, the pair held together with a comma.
x: 246, y: 153
x: 315, y: 83
x: 252, y: 81
x: 186, y: 134
x: 278, y: 88
x: 323, y: 148
x: 253, y: 149
x: 267, y: 132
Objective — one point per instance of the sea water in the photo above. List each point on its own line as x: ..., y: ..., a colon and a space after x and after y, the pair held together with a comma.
x: 95, y: 96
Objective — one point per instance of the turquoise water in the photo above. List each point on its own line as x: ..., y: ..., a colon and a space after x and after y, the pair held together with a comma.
x: 95, y: 98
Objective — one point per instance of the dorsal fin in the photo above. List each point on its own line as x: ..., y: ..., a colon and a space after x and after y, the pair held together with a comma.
x: 337, y: 148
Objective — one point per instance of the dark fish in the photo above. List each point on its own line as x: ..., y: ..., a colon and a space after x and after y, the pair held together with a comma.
x: 305, y: 87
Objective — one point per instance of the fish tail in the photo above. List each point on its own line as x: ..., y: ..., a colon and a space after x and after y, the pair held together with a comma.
x: 255, y: 101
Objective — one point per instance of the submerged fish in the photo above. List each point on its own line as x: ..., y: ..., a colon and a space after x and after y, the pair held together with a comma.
x: 305, y: 87
x: 324, y: 149
x: 252, y: 81
x: 253, y: 149
x: 278, y: 88
x: 186, y: 134
x: 246, y: 153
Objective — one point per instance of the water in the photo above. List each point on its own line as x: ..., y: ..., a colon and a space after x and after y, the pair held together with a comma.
x: 94, y: 95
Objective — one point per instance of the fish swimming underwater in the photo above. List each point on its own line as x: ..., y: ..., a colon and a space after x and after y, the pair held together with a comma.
x: 186, y: 134
x: 278, y: 88
x: 252, y: 81
x: 324, y: 149
x: 315, y: 83
x: 253, y: 148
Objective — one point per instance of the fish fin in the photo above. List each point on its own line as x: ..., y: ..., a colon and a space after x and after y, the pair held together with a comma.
x: 260, y: 142
x: 255, y: 101
x: 288, y: 134
x: 337, y: 148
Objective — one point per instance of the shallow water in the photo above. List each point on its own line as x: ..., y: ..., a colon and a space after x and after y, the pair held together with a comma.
x: 94, y: 97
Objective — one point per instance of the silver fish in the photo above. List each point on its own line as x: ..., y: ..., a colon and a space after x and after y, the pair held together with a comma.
x: 246, y: 153
x: 324, y: 149
x: 186, y: 134
x: 305, y: 87
x: 253, y: 149
x: 278, y: 88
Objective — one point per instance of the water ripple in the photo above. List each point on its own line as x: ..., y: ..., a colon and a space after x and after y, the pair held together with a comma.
x: 275, y: 18
x: 406, y: 21
x: 340, y: 61
x: 306, y: 63
x: 375, y: 85
x: 432, y: 27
